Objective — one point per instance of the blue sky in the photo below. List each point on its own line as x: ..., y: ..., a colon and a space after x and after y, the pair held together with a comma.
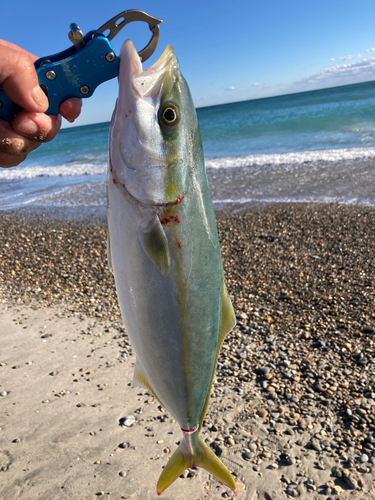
x: 228, y: 51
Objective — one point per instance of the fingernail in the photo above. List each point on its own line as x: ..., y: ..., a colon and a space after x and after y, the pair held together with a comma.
x: 39, y: 96
x: 28, y: 127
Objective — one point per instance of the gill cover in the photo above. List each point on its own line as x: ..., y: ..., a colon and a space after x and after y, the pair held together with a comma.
x: 148, y: 134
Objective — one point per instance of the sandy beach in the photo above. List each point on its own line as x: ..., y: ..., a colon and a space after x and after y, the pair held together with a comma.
x: 292, y: 410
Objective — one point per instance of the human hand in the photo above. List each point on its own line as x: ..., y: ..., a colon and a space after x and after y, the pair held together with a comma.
x: 31, y: 126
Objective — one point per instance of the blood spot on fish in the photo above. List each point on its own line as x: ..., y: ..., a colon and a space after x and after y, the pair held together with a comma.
x: 179, y: 199
x: 167, y: 220
x: 114, y: 181
x: 179, y: 244
x: 189, y: 431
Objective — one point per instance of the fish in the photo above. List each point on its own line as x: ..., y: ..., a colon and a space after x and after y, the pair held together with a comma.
x: 163, y: 248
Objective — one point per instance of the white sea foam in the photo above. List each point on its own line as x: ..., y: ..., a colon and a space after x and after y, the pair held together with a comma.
x: 64, y: 170
x: 290, y: 159
x: 286, y: 199
x: 294, y: 158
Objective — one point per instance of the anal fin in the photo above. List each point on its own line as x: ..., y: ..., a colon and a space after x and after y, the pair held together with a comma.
x: 140, y: 380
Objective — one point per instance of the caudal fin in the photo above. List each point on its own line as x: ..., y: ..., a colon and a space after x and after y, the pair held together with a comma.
x: 193, y: 451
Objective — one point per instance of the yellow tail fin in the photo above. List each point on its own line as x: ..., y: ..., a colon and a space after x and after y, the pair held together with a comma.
x: 193, y: 451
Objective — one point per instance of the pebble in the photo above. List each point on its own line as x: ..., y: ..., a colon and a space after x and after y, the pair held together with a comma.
x: 350, y: 480
x: 337, y: 471
x: 128, y: 421
x: 262, y: 370
x: 301, y: 423
x: 305, y: 326
x: 292, y: 492
x: 290, y: 460
x: 363, y: 458
x: 3, y: 393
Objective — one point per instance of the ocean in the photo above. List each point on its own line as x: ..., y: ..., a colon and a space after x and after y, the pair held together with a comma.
x: 310, y: 147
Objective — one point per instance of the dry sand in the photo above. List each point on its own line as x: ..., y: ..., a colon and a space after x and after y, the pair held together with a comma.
x: 277, y: 420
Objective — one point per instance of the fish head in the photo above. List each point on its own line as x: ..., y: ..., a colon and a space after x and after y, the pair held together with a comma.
x: 154, y: 129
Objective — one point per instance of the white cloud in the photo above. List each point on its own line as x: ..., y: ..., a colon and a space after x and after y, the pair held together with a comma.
x: 343, y: 74
x: 332, y: 58
x: 257, y: 84
x: 349, y: 58
x: 230, y: 88
x: 370, y: 50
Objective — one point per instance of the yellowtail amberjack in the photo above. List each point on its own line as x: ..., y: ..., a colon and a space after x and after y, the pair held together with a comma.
x: 164, y: 250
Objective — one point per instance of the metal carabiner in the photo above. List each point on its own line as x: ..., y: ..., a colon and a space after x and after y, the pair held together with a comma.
x: 78, y: 70
x: 118, y: 22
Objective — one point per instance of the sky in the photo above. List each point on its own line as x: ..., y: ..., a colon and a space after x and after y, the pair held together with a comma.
x: 228, y: 51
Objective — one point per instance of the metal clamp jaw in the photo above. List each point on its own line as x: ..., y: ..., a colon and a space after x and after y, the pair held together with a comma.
x: 79, y: 70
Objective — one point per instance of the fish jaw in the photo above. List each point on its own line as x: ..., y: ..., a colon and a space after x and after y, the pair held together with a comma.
x: 138, y: 156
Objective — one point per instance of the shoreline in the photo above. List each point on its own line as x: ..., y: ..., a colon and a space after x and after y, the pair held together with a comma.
x: 292, y: 409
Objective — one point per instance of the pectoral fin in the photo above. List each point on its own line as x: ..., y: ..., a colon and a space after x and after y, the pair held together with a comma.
x: 227, y: 323
x: 155, y: 244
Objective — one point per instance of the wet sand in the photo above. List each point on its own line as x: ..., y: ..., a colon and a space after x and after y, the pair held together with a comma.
x: 292, y: 411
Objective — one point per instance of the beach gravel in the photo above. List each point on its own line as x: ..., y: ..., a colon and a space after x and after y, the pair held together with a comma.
x: 292, y: 410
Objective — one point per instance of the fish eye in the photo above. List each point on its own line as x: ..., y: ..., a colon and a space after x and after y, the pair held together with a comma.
x: 169, y: 115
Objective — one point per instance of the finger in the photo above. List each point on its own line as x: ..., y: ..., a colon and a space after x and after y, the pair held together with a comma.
x: 20, y: 49
x: 71, y: 109
x: 19, y: 80
x: 8, y: 160
x: 14, y: 147
x: 37, y: 126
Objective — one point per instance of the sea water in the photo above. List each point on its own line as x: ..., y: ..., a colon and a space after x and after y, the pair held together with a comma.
x: 313, y: 146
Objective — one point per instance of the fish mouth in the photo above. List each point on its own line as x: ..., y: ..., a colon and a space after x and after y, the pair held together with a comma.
x: 143, y: 83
